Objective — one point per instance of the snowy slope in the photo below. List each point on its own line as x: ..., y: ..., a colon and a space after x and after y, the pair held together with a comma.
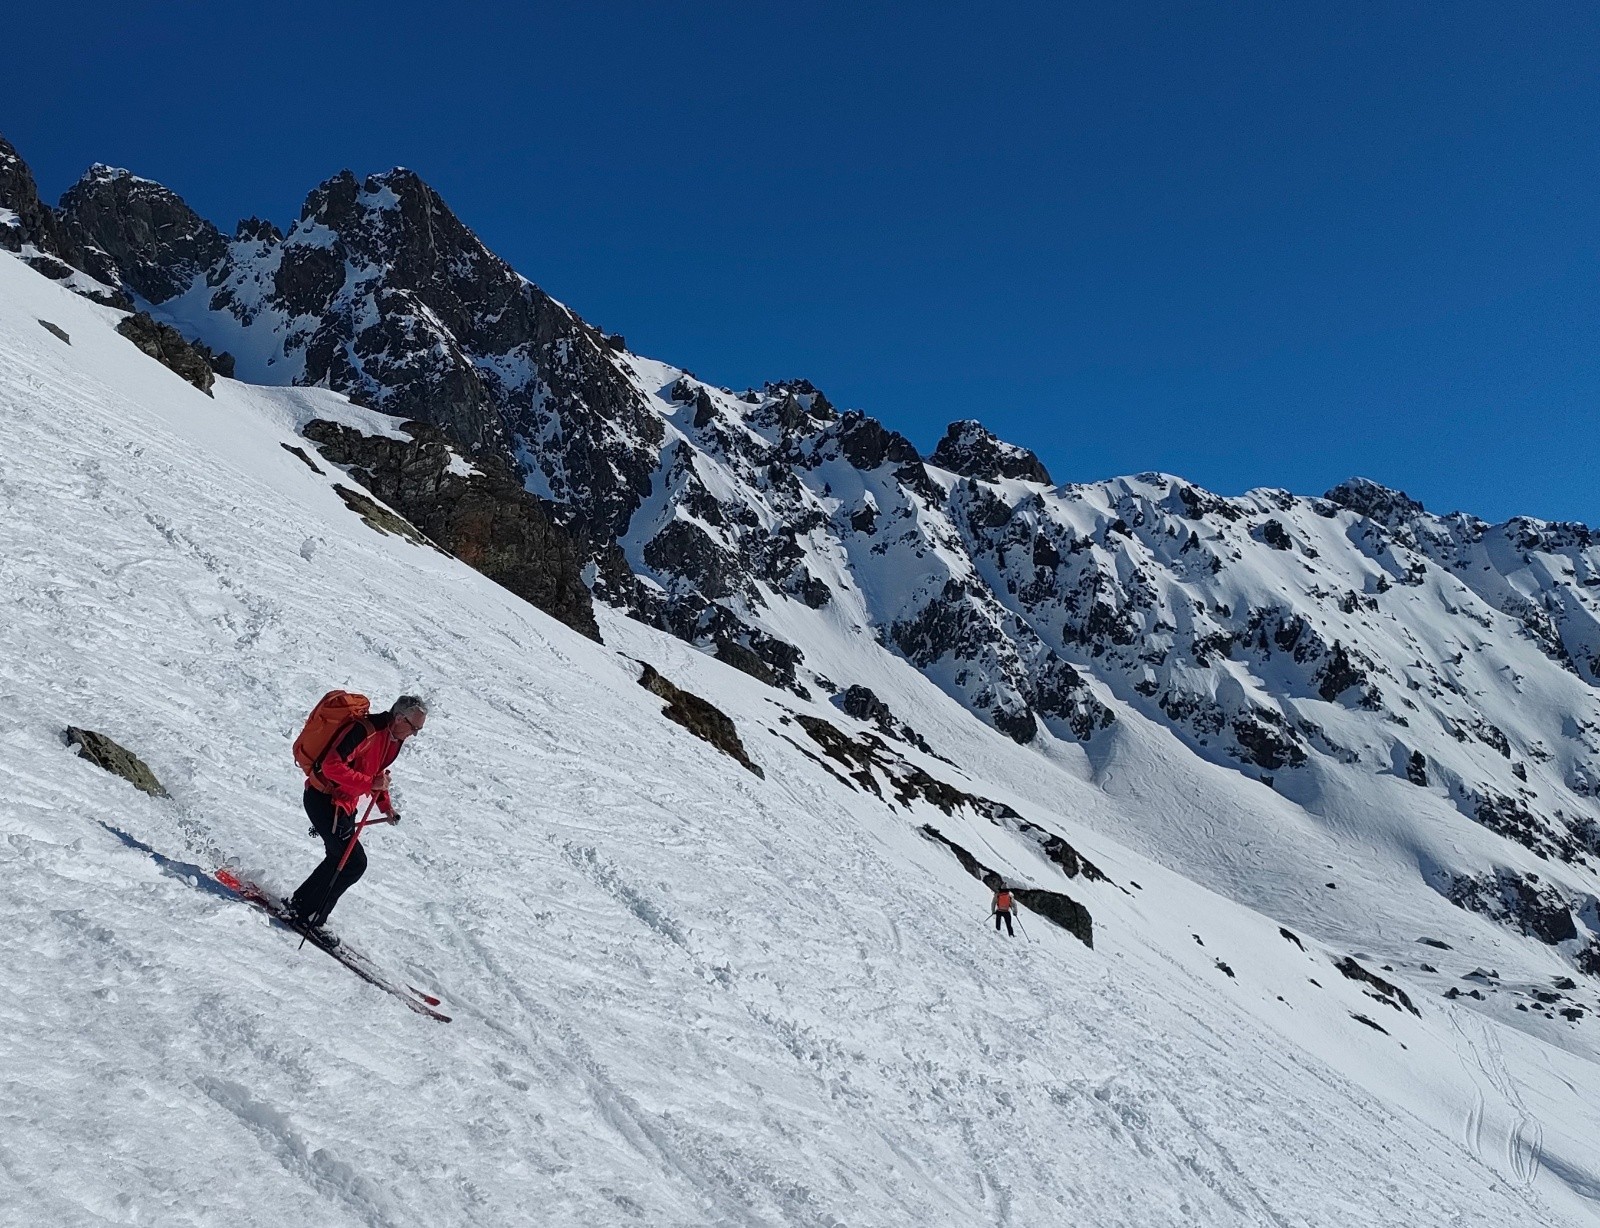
x: 682, y: 994
x: 1419, y: 690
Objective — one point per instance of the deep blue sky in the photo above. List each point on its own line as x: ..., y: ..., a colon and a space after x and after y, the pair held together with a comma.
x: 1254, y: 244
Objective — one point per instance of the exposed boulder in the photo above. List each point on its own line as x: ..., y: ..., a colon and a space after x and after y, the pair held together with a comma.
x: 119, y: 761
x: 699, y: 716
x: 168, y: 347
x: 483, y: 516
x: 731, y: 652
x: 1276, y: 536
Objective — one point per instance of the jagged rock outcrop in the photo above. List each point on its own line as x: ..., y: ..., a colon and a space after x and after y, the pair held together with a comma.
x: 1518, y: 900
x: 863, y: 704
x: 379, y: 518
x: 1379, y: 989
x: 699, y: 716
x: 157, y: 244
x: 480, y: 513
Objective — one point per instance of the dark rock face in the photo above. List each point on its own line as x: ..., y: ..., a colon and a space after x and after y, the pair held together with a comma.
x: 867, y: 445
x: 254, y: 230
x: 699, y: 716
x: 157, y: 243
x: 33, y: 222
x: 1266, y: 741
x: 486, y: 519
x: 1518, y: 900
x: 379, y: 291
x: 1276, y: 536
x: 1013, y: 675
x: 167, y: 346
x: 109, y: 756
x: 684, y: 549
x: 968, y: 448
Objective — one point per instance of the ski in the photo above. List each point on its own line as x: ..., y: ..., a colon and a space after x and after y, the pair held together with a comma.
x: 265, y: 901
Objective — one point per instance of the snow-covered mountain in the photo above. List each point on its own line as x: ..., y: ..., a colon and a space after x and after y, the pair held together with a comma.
x: 1342, y: 716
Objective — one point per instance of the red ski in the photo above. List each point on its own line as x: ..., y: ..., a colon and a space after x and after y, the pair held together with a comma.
x: 260, y: 897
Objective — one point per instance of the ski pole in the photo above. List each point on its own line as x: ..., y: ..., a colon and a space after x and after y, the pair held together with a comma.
x: 349, y: 848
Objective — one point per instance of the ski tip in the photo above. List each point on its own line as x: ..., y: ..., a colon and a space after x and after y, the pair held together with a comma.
x: 426, y: 997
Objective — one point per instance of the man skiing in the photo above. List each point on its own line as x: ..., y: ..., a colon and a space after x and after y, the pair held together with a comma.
x: 354, y: 764
x: 1002, y: 910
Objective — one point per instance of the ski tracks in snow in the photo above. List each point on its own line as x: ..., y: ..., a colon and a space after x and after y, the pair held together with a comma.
x: 1524, y: 1141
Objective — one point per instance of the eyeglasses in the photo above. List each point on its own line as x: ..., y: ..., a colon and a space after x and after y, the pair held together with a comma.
x: 413, y: 726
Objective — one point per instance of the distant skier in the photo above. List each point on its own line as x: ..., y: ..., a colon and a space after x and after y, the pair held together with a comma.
x: 1002, y: 910
x: 345, y: 752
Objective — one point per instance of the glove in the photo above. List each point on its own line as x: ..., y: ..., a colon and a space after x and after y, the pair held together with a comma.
x: 394, y: 817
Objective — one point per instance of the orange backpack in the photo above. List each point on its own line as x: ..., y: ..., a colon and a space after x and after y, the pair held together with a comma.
x: 333, y: 712
x: 1002, y: 901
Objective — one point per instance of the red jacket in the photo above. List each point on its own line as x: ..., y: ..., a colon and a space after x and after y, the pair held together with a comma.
x: 355, y: 760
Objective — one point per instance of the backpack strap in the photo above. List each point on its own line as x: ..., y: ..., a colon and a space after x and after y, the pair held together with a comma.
x: 339, y: 735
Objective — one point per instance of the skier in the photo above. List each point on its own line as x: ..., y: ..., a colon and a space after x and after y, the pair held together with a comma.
x: 1002, y: 910
x: 355, y: 764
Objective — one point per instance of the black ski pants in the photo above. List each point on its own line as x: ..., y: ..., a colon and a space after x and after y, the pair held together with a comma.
x: 327, y: 881
x: 1006, y: 913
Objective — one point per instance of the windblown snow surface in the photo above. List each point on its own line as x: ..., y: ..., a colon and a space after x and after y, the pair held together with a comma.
x: 682, y: 994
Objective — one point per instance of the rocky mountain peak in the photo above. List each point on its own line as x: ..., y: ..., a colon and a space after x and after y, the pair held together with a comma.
x: 19, y: 196
x: 972, y: 450
x: 333, y: 196
x: 158, y: 243
x: 40, y: 236
x: 1387, y: 507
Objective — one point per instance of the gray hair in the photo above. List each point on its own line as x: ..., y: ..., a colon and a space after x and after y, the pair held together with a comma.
x: 409, y: 703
